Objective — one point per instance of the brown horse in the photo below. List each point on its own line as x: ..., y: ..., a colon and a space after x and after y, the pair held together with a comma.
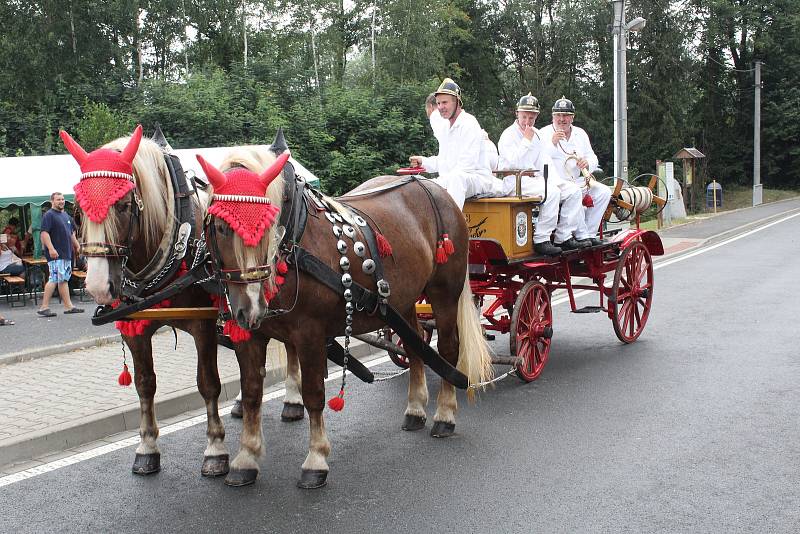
x: 129, y: 213
x: 302, y: 311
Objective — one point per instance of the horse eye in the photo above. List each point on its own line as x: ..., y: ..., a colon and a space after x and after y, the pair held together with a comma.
x: 122, y: 206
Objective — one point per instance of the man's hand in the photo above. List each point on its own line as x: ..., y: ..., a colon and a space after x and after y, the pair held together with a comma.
x: 582, y: 163
x: 558, y: 136
x: 529, y: 132
x: 416, y: 161
x: 53, y: 253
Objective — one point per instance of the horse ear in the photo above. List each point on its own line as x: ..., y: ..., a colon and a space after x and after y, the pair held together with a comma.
x: 133, y: 145
x: 214, y: 175
x: 74, y: 148
x: 279, y: 145
x: 274, y: 169
x: 159, y: 139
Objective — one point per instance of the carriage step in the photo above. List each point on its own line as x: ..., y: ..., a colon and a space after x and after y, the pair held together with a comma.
x: 589, y: 309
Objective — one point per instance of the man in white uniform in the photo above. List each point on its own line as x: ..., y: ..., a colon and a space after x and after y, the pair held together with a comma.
x: 460, y: 146
x: 571, y: 151
x: 521, y: 147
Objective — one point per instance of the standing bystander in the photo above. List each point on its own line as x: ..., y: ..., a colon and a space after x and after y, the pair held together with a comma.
x: 59, y: 243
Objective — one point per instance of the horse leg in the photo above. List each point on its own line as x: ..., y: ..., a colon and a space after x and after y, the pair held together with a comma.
x: 414, y: 418
x: 252, y: 356
x: 215, y: 457
x: 313, y: 361
x: 444, y: 420
x: 148, y: 457
x: 293, y: 400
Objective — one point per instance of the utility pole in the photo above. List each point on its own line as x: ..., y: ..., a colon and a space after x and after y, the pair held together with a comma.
x: 620, y: 97
x: 757, y: 193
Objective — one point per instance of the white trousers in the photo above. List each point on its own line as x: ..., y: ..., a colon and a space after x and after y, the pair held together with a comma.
x: 462, y: 185
x: 589, y: 224
x: 559, y: 192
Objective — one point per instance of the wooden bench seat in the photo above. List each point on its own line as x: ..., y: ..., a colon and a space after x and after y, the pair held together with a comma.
x: 15, y: 290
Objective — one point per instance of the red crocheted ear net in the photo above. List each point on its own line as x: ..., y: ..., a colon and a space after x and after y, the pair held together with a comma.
x: 96, y: 195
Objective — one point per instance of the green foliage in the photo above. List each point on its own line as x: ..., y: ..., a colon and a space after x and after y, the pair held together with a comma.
x: 100, y: 124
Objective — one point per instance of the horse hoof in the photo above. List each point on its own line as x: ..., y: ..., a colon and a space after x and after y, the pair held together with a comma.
x: 312, y: 479
x: 292, y: 412
x: 241, y: 477
x: 147, y: 464
x: 413, y: 422
x: 236, y: 410
x: 442, y: 430
x: 215, y: 466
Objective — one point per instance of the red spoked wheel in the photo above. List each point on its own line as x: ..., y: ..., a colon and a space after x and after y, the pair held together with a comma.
x: 398, y: 359
x: 531, y: 330
x: 632, y: 292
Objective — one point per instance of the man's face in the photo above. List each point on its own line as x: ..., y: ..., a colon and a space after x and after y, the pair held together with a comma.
x: 447, y: 105
x: 562, y: 121
x: 526, y: 119
x: 58, y: 202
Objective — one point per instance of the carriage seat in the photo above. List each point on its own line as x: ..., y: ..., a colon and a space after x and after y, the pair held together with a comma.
x: 509, y: 221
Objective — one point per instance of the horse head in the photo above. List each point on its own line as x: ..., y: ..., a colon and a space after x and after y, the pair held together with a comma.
x: 246, y: 202
x: 117, y: 181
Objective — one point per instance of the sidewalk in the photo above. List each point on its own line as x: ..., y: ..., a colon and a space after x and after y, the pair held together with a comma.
x: 55, y: 397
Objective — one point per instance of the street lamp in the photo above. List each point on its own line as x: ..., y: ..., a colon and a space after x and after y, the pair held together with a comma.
x: 620, y: 31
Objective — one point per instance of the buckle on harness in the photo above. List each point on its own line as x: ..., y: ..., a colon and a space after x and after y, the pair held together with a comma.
x: 383, y: 288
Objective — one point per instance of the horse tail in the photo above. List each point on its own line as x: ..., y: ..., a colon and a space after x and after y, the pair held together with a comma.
x: 474, y: 358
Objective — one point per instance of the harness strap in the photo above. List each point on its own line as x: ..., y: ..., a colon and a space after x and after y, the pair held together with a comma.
x: 369, y: 237
x: 385, y: 187
x: 313, y: 266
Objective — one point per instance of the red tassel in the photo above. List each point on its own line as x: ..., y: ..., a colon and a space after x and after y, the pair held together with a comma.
x: 449, y: 248
x: 279, y: 280
x: 384, y: 248
x: 587, y: 201
x: 441, y: 255
x: 337, y: 403
x: 125, y: 376
x: 281, y: 267
x: 235, y: 332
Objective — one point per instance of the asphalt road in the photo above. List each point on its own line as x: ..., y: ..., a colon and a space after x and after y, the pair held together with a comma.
x: 691, y: 428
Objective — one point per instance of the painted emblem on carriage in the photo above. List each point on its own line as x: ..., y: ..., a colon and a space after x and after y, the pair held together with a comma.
x: 368, y: 266
x: 349, y: 231
x: 360, y: 220
x: 329, y: 216
x: 341, y: 246
x: 347, y: 280
x: 337, y: 231
x: 359, y: 249
x: 476, y: 230
x: 344, y: 263
x: 521, y: 232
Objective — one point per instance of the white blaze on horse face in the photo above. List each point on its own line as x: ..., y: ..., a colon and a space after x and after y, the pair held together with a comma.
x: 255, y: 295
x: 97, y: 280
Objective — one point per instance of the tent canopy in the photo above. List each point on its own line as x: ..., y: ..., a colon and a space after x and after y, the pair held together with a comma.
x: 32, y: 179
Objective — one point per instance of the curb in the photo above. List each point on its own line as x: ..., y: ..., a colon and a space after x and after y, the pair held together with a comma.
x: 42, y: 352
x: 69, y: 435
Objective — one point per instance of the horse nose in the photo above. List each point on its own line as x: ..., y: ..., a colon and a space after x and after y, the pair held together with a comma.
x: 246, y: 321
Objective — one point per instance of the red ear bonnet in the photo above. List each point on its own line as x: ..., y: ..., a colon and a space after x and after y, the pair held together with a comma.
x: 240, y: 198
x: 106, y: 175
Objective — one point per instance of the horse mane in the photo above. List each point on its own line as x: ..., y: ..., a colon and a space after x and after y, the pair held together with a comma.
x: 257, y: 159
x: 153, y: 187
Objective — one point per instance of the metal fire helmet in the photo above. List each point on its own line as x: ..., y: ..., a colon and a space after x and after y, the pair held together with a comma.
x: 528, y: 103
x: 564, y: 105
x: 449, y: 87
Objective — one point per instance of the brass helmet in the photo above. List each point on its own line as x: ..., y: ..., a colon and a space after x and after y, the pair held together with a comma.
x: 564, y: 105
x: 449, y: 87
x: 528, y: 103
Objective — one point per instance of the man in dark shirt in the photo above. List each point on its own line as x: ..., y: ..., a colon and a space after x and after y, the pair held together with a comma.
x: 59, y: 242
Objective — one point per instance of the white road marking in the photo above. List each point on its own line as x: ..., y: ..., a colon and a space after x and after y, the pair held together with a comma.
x: 200, y: 419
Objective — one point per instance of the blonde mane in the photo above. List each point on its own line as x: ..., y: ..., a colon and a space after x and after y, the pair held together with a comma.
x: 257, y: 159
x: 153, y: 187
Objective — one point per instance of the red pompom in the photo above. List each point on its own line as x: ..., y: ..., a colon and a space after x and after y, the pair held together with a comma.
x: 441, y: 255
x: 337, y: 403
x: 449, y: 248
x: 279, y: 280
x: 235, y: 332
x: 587, y: 201
x: 125, y: 376
x: 281, y: 267
x: 384, y: 247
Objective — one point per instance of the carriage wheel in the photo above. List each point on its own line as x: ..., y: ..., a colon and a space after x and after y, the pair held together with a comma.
x: 398, y: 359
x: 531, y: 330
x: 632, y: 293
